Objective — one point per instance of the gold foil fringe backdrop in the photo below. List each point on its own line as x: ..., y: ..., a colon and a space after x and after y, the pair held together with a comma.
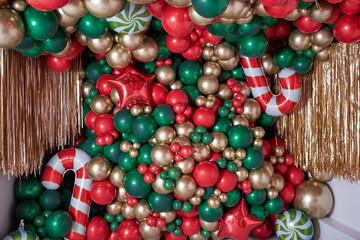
x: 323, y: 131
x: 40, y: 111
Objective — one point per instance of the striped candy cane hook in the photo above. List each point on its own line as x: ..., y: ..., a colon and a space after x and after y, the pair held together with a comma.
x: 273, y: 105
x: 76, y: 160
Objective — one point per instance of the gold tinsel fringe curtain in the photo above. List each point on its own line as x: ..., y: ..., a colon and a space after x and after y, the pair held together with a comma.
x: 323, y: 132
x: 40, y: 111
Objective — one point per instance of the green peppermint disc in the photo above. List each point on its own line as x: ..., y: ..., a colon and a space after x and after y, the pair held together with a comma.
x: 21, y: 235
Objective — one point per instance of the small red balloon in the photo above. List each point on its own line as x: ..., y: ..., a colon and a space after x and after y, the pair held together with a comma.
x: 104, y: 124
x: 294, y: 175
x: 156, y: 8
x: 209, y: 38
x: 58, y: 64
x: 103, y: 85
x: 129, y: 230
x: 176, y: 21
x: 306, y: 25
x: 194, y: 51
x: 90, y: 119
x: 194, y: 212
x: 177, y: 44
x: 102, y: 192
x: 206, y: 173
x: 280, y: 168
x: 272, y: 3
x: 266, y: 148
x: 190, y: 225
x: 113, y: 236
x: 75, y: 49
x: 171, y: 236
x: 204, y: 117
x: 349, y: 7
x: 283, y: 9
x: 97, y: 229
x: 214, y: 156
x: 99, y: 56
x: 177, y: 96
x: 216, y: 106
x: 289, y: 160
x: 264, y: 230
x: 158, y: 93
x: 347, y: 28
x: 287, y: 194
x: 227, y: 181
x: 79, y: 140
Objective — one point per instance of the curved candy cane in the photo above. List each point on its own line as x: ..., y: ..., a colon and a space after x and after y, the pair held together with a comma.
x: 274, y: 105
x: 76, y: 160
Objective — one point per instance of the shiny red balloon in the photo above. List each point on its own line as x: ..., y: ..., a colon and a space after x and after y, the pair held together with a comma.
x: 227, y: 181
x: 99, y: 56
x: 283, y: 9
x: 274, y: 141
x: 209, y: 38
x: 171, y: 236
x: 217, y: 105
x: 287, y: 194
x: 264, y: 230
x: 58, y: 64
x: 176, y: 21
x: 129, y: 230
x: 272, y: 3
x: 266, y: 148
x: 334, y: 15
x: 349, y: 7
x: 113, y: 236
x: 103, y: 86
x: 194, y: 51
x: 104, y: 124
x: 90, y: 119
x: 294, y: 175
x: 289, y: 160
x: 214, y: 156
x: 177, y: 44
x: 97, y: 229
x: 206, y: 173
x: 102, y: 192
x: 335, y: 1
x: 35, y: 4
x: 204, y: 117
x: 156, y: 8
x: 280, y: 168
x: 190, y: 225
x: 347, y: 28
x: 79, y: 140
x: 177, y: 96
x: 281, y: 29
x: 53, y: 4
x: 76, y: 48
x: 306, y: 25
x: 158, y: 93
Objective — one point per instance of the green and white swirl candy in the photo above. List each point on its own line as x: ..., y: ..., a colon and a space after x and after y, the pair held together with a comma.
x: 294, y: 225
x: 21, y: 235
x: 134, y: 18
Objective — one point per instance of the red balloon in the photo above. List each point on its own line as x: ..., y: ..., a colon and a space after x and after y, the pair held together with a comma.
x: 294, y: 175
x: 274, y: 141
x: 79, y: 140
x: 282, y: 10
x: 113, y: 236
x: 179, y: 198
x: 347, y: 28
x: 53, y: 4
x: 76, y: 48
x: 190, y: 225
x: 287, y: 194
x: 214, y: 156
x: 97, y: 229
x: 227, y: 181
x: 194, y: 212
x: 103, y: 85
x: 334, y: 15
x: 102, y: 192
x: 204, y: 117
x: 99, y: 56
x: 349, y: 7
x: 176, y: 21
x: 194, y: 51
x: 335, y: 1
x: 104, y: 124
x: 158, y: 93
x: 289, y: 160
x: 35, y: 4
x: 58, y: 64
x: 216, y: 106
x: 208, y: 37
x: 129, y: 230
x: 171, y: 236
x: 306, y: 25
x: 90, y: 119
x: 156, y: 8
x: 280, y: 168
x: 206, y: 173
x: 283, y: 29
x: 177, y: 44
x: 177, y: 96
x: 266, y: 148
x: 264, y: 230
x: 272, y: 3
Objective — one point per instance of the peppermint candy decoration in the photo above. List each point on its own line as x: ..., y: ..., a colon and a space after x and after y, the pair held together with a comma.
x: 294, y: 225
x: 133, y: 19
x: 21, y: 235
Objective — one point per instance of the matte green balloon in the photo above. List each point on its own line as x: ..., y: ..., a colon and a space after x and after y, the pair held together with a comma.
x: 112, y: 151
x: 240, y: 137
x: 133, y: 138
x: 274, y: 206
x: 221, y: 30
x: 164, y: 115
x: 41, y: 232
x: 92, y: 148
x: 250, y: 29
x: 238, y: 73
x: 28, y: 188
x: 192, y: 91
x: 284, y: 57
x: 210, y: 8
x: 33, y: 53
x: 149, y: 67
x: 254, y: 46
x: 40, y: 24
x: 309, y: 53
x: 156, y: 25
x: 26, y: 44
x: 126, y: 162
x: 222, y: 124
x: 144, y: 127
x: 265, y: 120
x: 208, y: 192
x: 302, y: 64
x: 256, y: 197
x: 50, y: 199
x: 190, y: 72
x: 233, y: 198
x: 258, y: 211
x: 92, y: 27
x: 254, y: 158
x: 135, y: 185
x: 28, y: 210
x: 58, y: 224
x: 164, y: 52
x: 123, y: 121
x: 93, y: 71
x: 209, y: 214
x: 160, y: 202
x: 145, y: 154
x: 56, y: 43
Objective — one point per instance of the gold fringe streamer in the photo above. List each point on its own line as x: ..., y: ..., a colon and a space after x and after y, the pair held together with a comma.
x: 40, y: 111
x: 323, y: 131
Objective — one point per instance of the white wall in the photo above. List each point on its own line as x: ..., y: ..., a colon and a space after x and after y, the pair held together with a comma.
x: 7, y: 206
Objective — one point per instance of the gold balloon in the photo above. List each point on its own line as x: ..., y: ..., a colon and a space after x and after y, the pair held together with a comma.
x: 147, y: 51
x: 195, y: 200
x: 197, y: 19
x: 258, y: 132
x: 278, y: 151
x: 142, y: 210
x: 240, y: 120
x: 269, y: 167
x: 322, y: 38
x: 158, y: 185
x: 252, y: 109
x: 207, y: 54
x: 117, y: 176
x: 142, y: 1
x: 118, y: 57
x: 316, y: 48
x: 224, y: 51
x: 161, y: 155
x: 314, y: 198
x: 179, y: 3
x: 269, y: 65
x: 102, y: 44
x: 75, y: 9
x: 19, y: 5
x: 214, y: 235
x: 148, y: 232
x: 197, y: 236
x: 99, y: 168
x: 259, y: 9
x: 185, y: 186
x: 177, y: 84
x: 165, y: 75
x: 71, y: 29
x: 182, y: 140
x: 114, y: 208
x: 242, y: 174
x: 81, y: 38
x: 213, y: 202
x: 165, y: 135
x: 186, y: 166
x: 244, y: 20
x: 224, y: 92
x: 131, y: 42
x: 219, y: 142
x: 65, y: 51
x: 321, y: 11
x: 272, y: 193
x: 114, y: 96
x: 304, y: 12
x: 201, y: 151
x: 230, y: 63
x: 259, y: 178
x: 235, y: 8
x: 101, y: 104
x: 87, y: 85
x: 293, y: 16
x: 208, y: 84
x: 211, y: 68
x: 128, y: 211
x: 169, y: 216
x: 64, y: 20
x: 209, y: 226
x: 120, y: 194
x: 104, y: 8
x: 321, y: 177
x: 299, y: 41
x: 11, y: 28
x: 245, y: 88
x: 226, y: 21
x: 229, y: 153
x: 278, y: 182
x: 184, y: 129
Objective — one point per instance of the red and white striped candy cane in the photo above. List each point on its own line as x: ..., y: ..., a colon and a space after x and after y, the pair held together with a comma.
x: 76, y: 160
x: 274, y: 105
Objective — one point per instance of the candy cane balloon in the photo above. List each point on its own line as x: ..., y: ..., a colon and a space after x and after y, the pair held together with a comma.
x: 76, y: 160
x: 274, y: 105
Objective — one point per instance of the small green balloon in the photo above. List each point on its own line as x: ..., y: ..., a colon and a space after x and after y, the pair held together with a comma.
x: 192, y: 91
x: 258, y: 211
x: 145, y: 154
x: 233, y: 37
x: 33, y: 53
x: 240, y: 137
x: 164, y: 115
x: 238, y: 73
x: 209, y: 214
x: 41, y: 25
x: 164, y: 52
x: 28, y: 210
x: 302, y: 64
x: 41, y: 232
x: 114, y: 226
x: 210, y: 8
x: 190, y: 72
x: 135, y: 185
x: 56, y: 43
x: 93, y: 71
x: 268, y: 21
x: 113, y: 151
x: 156, y: 25
x: 58, y: 224
x: 92, y: 148
x: 144, y: 127
x: 274, y: 206
x: 126, y: 162
x: 26, y: 44
x: 46, y: 213
x: 256, y: 198
x: 92, y: 27
x: 29, y: 227
x: 28, y: 188
x: 265, y: 120
x: 187, y: 207
x: 233, y: 198
x: 253, y: 47
x: 224, y: 76
x: 309, y: 53
x: 123, y: 121
x: 222, y: 124
x: 254, y: 158
x: 160, y: 202
x: 208, y: 192
x: 284, y: 57
x: 50, y: 199
x: 221, y: 30
x: 133, y: 138
x: 250, y: 29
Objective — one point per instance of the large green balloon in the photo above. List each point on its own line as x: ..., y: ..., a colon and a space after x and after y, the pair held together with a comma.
x: 28, y: 188
x: 233, y: 198
x: 33, y: 53
x: 254, y: 46
x: 144, y: 127
x: 192, y: 91
x: 274, y: 206
x: 145, y: 154
x: 93, y: 71
x: 112, y: 151
x: 164, y: 115
x: 41, y: 25
x: 92, y: 27
x: 190, y: 72
x: 50, y: 199
x: 160, y: 202
x: 56, y: 43
x: 123, y: 121
x: 135, y: 185
x: 220, y: 30
x: 92, y: 148
x: 254, y: 158
x: 265, y: 120
x: 302, y: 64
x: 284, y: 57
x: 210, y: 8
x: 126, y: 162
x: 164, y: 52
x: 209, y: 214
x: 222, y: 125
x: 240, y: 137
x: 28, y: 210
x: 58, y: 224
x: 256, y: 197
x: 26, y: 44
x: 252, y: 28
x: 258, y: 211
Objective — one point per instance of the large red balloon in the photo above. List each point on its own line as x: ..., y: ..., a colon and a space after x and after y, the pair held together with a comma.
x: 347, y: 28
x: 102, y: 192
x: 53, y: 4
x: 158, y: 93
x: 171, y: 236
x: 177, y: 44
x: 306, y: 25
x: 129, y: 230
x: 35, y: 4
x: 264, y: 230
x: 190, y: 225
x: 272, y: 3
x: 103, y: 86
x: 76, y: 48
x: 294, y: 175
x: 104, y: 124
x: 97, y: 229
x: 281, y: 168
x: 156, y: 8
x: 282, y: 10
x: 349, y: 7
x: 204, y: 117
x: 176, y: 21
x: 227, y: 181
x: 177, y: 96
x: 287, y: 194
x: 113, y: 236
x: 206, y: 173
x: 194, y: 51
x: 90, y: 119
x: 58, y: 64
x: 209, y: 38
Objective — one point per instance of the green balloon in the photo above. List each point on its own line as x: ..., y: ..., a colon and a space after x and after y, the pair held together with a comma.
x: 66, y: 195
x: 268, y: 21
x: 28, y: 188
x: 39, y: 221
x: 250, y: 29
x: 58, y: 224
x: 92, y: 27
x: 254, y: 158
x: 33, y: 53
x: 112, y: 151
x: 149, y: 67
x: 222, y: 124
x: 50, y: 199
x: 254, y: 46
x: 160, y: 202
x: 28, y: 210
x: 144, y: 127
x: 220, y: 30
x: 302, y: 64
x: 233, y: 198
x: 265, y: 120
x: 46, y: 213
x: 41, y: 232
x: 274, y: 206
x: 135, y: 185
x: 190, y: 72
x: 56, y: 43
x: 156, y: 25
x: 238, y: 73
x: 132, y: 138
x: 192, y: 91
x: 208, y: 192
x: 145, y: 154
x: 123, y: 121
x: 258, y: 211
x: 26, y: 44
x: 92, y: 148
x: 93, y: 71
x: 164, y: 52
x: 284, y: 57
x: 309, y: 53
x: 233, y: 37
x: 126, y: 162
x: 41, y: 25
x: 210, y: 8
x: 88, y: 132
x: 164, y: 115
x: 256, y: 198
x: 209, y: 214
x: 29, y: 227
x: 240, y: 137
x: 305, y: 4
x: 224, y: 76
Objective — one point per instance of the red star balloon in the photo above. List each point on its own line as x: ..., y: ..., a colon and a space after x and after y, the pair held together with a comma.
x: 132, y: 86
x: 237, y: 223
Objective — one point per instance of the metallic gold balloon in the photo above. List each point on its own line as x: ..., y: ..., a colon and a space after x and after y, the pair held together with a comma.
x: 226, y: 21
x: 99, y: 168
x: 65, y: 51
x: 258, y: 132
x: 142, y: 210
x: 321, y: 11
x: 269, y: 65
x: 179, y: 3
x: 207, y: 54
x: 158, y: 185
x: 293, y: 16
x: 185, y: 186
x: 299, y: 41
x: 259, y: 9
x: 252, y: 109
x: 278, y: 182
x: 244, y: 20
x: 75, y: 9
x: 165, y: 135
x: 208, y: 84
x: 114, y: 208
x: 209, y: 226
x: 240, y: 120
x: 186, y: 166
x: 114, y: 96
x: 224, y: 92
x: 258, y: 142
x: 120, y: 194
x: 197, y: 19
x: 316, y: 48
x: 321, y: 177
x: 278, y: 151
x: 128, y: 211
x: 197, y: 236
x: 269, y: 167
x: 184, y: 129
x: 101, y: 104
x: 229, y: 153
x: 117, y: 176
x: 11, y: 28
x: 131, y: 42
x: 259, y: 178
x: 118, y: 57
x: 224, y: 51
x: 104, y: 8
x: 235, y: 8
x: 219, y: 143
x: 272, y: 193
x: 162, y: 155
x: 242, y: 174
x: 136, y: 110
x: 165, y: 75
x: 70, y: 29
x: 245, y: 88
x: 169, y: 216
x: 177, y: 84
x: 64, y: 20
x: 201, y: 151
x: 304, y: 12
x: 102, y: 44
x: 195, y: 200
x: 182, y: 140
x: 211, y: 68
x: 148, y: 232
x: 81, y: 38
x: 213, y: 202
x: 147, y: 51
x: 86, y: 86
x: 322, y: 38
x: 240, y: 153
x: 214, y: 235
x: 229, y: 64
x: 19, y: 5
x: 314, y: 198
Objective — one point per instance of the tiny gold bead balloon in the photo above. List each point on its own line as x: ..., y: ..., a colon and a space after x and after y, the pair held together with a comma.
x: 114, y: 208
x: 258, y: 132
x: 213, y: 202
x: 200, y: 191
x: 280, y: 159
x: 86, y: 87
x: 136, y: 110
x: 136, y: 145
x: 242, y: 174
x: 208, y: 84
x: 195, y: 200
x: 148, y: 109
x: 272, y: 193
x: 217, y: 192
x: 134, y: 153
x: 19, y: 5
x: 209, y: 103
x: 177, y: 84
x: 71, y: 29
x: 165, y: 75
x: 208, y: 53
x: 229, y: 153
x: 223, y: 197
x: 240, y: 153
x: 305, y: 168
x: 211, y: 67
x: 278, y: 151
x: 125, y: 146
x: 101, y: 104
x: 272, y: 159
x: 258, y: 142
x: 200, y: 101
x: 211, y: 97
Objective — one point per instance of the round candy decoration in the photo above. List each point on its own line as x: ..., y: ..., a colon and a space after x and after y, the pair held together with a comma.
x: 294, y: 224
x: 133, y: 19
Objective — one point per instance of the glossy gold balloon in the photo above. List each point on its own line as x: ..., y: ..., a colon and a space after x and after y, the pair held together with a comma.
x: 114, y: 208
x: 208, y: 84
x: 258, y: 132
x: 269, y: 65
x: 212, y: 68
x: 293, y: 16
x: 169, y: 216
x: 321, y: 177
x: 235, y: 8
x: 104, y: 8
x: 195, y: 200
x: 71, y: 29
x: 128, y: 211
x: 120, y: 194
x: 229, y: 64
x: 224, y: 92
x: 101, y: 104
x: 158, y: 185
x: 245, y: 88
x: 114, y: 96
x: 259, y: 9
x: 182, y: 140
x: 197, y: 236
x: 229, y: 153
x: 209, y: 226
x: 213, y: 202
x: 219, y: 143
x: 99, y: 168
x: 11, y: 28
x: 224, y: 51
x: 316, y: 48
x: 162, y: 155
x: 208, y: 53
x: 185, y: 186
x: 322, y: 38
x: 118, y: 57
x: 278, y: 182
x: 64, y: 20
x: 201, y: 151
x: 148, y: 232
x: 304, y: 12
x: 147, y: 51
x: 269, y: 167
x: 252, y: 109
x: 65, y: 51
x: 102, y: 44
x: 214, y: 235
x: 80, y: 37
x: 117, y: 176
x: 226, y: 21
x: 244, y: 20
x: 165, y: 75
x: 131, y: 42
x: 240, y: 120
x: 259, y: 178
x: 197, y: 19
x: 165, y: 135
x: 184, y: 129
x: 299, y: 41
x: 321, y: 11
x: 242, y: 174
x: 186, y: 166
x: 179, y: 3
x: 177, y: 84
x: 142, y: 210
x: 86, y: 86
x: 323, y: 55
x: 18, y: 5
x: 75, y: 9
x: 314, y: 198
x: 272, y: 193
